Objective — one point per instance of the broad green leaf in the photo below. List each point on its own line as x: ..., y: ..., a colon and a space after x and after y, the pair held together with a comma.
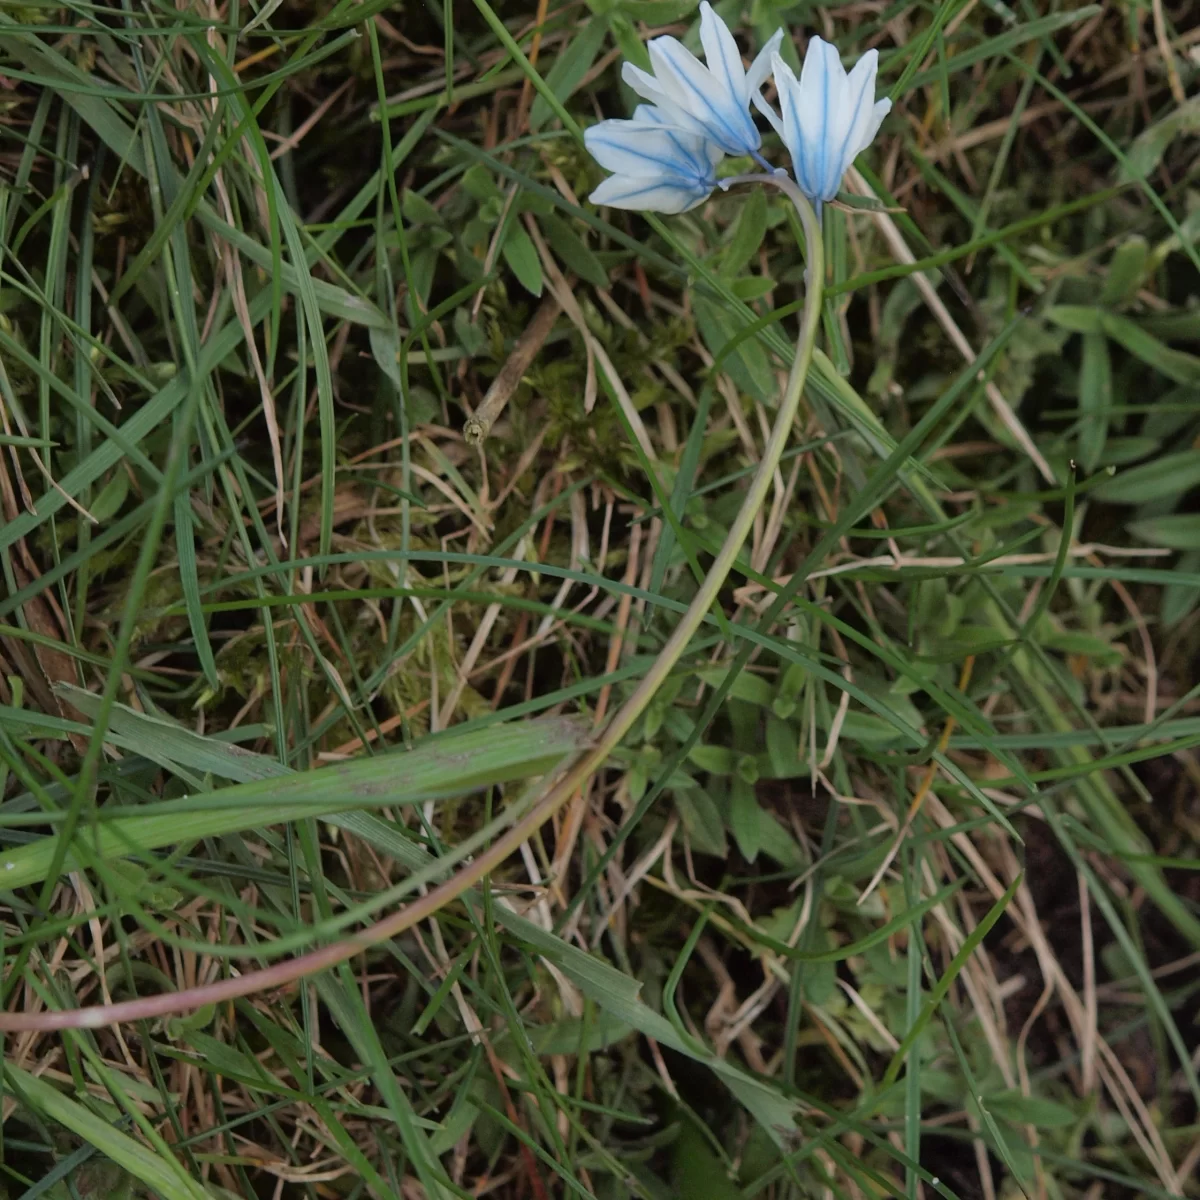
x: 1179, y: 531
x: 1149, y: 146
x: 1079, y: 318
x: 625, y: 34
x: 227, y: 1060
x: 436, y: 768
x: 572, y: 251
x: 783, y: 749
x: 658, y: 12
x: 1008, y: 1145
x: 1180, y: 599
x: 1120, y: 450
x: 747, y: 366
x: 967, y: 640
x: 417, y: 210
x: 744, y: 819
x: 569, y: 69
x: 697, y: 1173
x: 1095, y: 400
x: 478, y: 183
x: 758, y: 831
x: 170, y: 745
x: 1030, y: 1110
x: 385, y: 350
x: 1172, y: 412
x: 108, y: 503
x: 701, y: 820
x: 1174, y: 364
x: 1160, y: 479
x: 716, y: 760
x: 1074, y: 641
x: 748, y: 234
x: 1125, y: 270
x: 521, y: 255
x: 751, y: 287
x: 570, y: 1035
x: 747, y: 686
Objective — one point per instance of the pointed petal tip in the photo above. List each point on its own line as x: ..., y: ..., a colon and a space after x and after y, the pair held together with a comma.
x: 760, y: 68
x: 780, y: 67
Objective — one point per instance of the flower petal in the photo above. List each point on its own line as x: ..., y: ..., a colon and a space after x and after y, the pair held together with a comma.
x: 829, y: 117
x: 768, y: 112
x: 695, y: 89
x: 826, y: 145
x: 810, y: 114
x: 793, y: 131
x: 643, y: 83
x: 760, y: 68
x: 859, y: 102
x: 654, y: 194
x: 646, y: 150
x: 871, y: 127
x: 649, y: 114
x: 721, y: 53
x: 664, y: 99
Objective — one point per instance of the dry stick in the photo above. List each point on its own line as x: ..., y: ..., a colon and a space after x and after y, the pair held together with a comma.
x: 528, y: 344
x: 1164, y: 48
x: 523, y: 105
x: 576, y: 771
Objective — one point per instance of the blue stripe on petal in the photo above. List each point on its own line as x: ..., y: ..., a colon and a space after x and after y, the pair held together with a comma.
x: 689, y: 155
x: 720, y: 51
x: 813, y: 126
x: 846, y: 151
x: 821, y: 150
x: 641, y: 195
x: 760, y: 68
x: 723, y: 126
x: 630, y: 148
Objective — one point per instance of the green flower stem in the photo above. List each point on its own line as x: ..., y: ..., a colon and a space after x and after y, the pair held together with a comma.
x: 739, y: 531
x: 527, y: 818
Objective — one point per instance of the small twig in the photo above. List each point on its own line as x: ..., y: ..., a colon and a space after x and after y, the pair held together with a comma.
x: 480, y: 423
x: 1168, y: 56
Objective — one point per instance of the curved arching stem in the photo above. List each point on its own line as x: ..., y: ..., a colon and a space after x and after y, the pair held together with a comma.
x: 574, y: 774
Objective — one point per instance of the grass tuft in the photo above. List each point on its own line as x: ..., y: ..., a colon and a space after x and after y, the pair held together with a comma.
x: 355, y: 471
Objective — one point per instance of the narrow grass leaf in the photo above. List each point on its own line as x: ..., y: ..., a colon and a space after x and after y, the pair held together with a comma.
x: 164, y: 1178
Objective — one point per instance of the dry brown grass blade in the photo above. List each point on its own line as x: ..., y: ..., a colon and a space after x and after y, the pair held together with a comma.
x: 899, y: 248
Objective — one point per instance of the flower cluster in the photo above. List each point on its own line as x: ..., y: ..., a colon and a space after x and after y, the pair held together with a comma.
x: 665, y: 159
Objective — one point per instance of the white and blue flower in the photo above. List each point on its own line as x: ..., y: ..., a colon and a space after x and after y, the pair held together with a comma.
x: 829, y: 117
x: 711, y: 101
x: 656, y: 166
